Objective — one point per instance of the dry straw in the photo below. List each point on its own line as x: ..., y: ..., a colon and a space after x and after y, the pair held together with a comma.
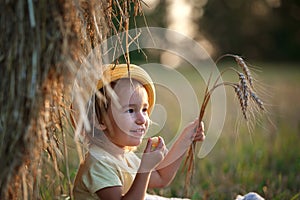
x: 42, y: 45
x: 248, y: 100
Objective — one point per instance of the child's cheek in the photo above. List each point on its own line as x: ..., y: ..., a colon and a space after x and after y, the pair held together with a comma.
x: 125, y: 122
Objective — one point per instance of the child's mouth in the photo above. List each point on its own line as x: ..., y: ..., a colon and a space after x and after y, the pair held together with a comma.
x: 140, y: 131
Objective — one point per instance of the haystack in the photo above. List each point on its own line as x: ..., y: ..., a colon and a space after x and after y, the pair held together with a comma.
x: 42, y: 45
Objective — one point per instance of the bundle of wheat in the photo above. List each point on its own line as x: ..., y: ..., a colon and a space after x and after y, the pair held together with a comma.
x: 249, y: 102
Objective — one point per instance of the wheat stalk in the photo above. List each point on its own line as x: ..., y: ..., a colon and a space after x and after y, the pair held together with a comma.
x: 244, y: 90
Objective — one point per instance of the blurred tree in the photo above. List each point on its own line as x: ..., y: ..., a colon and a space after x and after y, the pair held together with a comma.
x: 260, y: 29
x: 155, y: 14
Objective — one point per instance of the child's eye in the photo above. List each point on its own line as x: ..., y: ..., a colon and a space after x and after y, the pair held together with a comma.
x: 130, y: 110
x: 145, y: 109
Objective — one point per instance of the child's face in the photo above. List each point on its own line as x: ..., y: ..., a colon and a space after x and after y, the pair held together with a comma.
x: 129, y: 120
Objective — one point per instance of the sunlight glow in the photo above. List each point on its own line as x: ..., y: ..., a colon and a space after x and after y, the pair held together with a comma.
x: 180, y: 17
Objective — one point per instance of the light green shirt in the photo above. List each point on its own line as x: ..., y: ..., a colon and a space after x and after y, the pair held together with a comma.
x: 105, y: 165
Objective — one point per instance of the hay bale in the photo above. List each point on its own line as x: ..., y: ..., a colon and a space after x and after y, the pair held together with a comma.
x: 42, y: 45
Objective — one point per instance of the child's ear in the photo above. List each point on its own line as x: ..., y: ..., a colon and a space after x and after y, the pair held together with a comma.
x: 103, y: 127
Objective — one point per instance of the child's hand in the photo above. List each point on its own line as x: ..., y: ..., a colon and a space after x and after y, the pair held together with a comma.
x: 193, y: 132
x: 153, y: 154
x: 199, y: 132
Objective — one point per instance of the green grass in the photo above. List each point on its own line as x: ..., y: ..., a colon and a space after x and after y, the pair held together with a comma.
x: 266, y: 160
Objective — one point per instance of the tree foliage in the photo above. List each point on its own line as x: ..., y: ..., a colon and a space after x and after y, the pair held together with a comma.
x: 261, y: 29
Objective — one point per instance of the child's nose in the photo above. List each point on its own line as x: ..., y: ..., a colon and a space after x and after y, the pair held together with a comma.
x: 140, y: 118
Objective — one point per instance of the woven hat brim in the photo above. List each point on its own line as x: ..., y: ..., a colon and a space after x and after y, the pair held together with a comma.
x: 116, y: 72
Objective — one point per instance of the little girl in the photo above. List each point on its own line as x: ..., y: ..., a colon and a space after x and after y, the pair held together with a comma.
x: 111, y: 170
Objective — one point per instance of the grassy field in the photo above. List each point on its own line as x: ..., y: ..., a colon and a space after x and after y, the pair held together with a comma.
x: 265, y: 160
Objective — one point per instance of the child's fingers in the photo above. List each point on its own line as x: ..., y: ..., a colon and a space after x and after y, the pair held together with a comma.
x: 148, y: 146
x: 199, y: 128
x: 162, y: 147
x: 155, y: 143
x: 161, y: 142
x: 199, y: 132
x: 202, y: 130
x: 199, y: 137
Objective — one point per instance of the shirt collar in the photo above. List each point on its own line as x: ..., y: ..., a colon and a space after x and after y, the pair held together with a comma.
x: 103, y: 142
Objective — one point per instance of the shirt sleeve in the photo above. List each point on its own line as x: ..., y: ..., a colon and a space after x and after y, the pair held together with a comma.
x: 101, y: 174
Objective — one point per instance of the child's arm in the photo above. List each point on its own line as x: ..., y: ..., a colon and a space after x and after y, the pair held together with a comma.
x: 140, y: 184
x: 137, y: 190
x: 166, y: 170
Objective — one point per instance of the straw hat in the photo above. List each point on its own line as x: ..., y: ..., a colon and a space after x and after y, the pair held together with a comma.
x: 116, y: 72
